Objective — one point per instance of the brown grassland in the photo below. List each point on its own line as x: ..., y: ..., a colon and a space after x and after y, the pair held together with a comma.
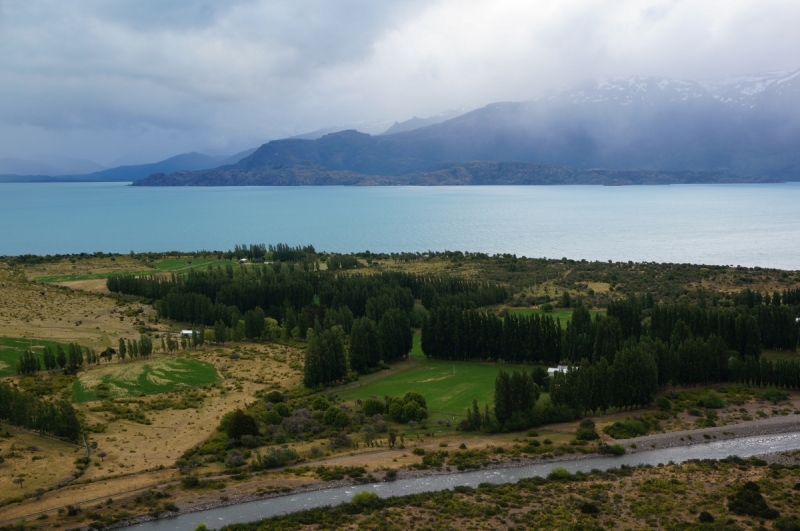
x: 142, y: 456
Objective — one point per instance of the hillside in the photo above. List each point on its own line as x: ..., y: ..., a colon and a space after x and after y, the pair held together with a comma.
x: 472, y: 173
x: 745, y: 126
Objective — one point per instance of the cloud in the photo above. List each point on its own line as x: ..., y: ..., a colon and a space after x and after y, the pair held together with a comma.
x: 138, y: 80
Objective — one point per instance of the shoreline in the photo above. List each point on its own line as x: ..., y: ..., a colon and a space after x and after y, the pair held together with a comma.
x: 771, y: 426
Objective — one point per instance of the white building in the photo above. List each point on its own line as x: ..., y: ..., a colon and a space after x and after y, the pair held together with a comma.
x: 552, y: 370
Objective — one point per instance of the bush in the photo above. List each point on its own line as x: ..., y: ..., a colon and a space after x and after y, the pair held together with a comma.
x: 663, y: 404
x: 705, y: 517
x: 365, y: 499
x: 547, y: 307
x: 589, y: 508
x: 282, y: 409
x: 275, y: 458
x: 241, y: 424
x: 275, y: 397
x: 785, y: 523
x: 611, y: 449
x: 712, y: 400
x: 774, y: 395
x: 749, y: 501
x: 627, y: 429
x: 586, y: 431
x: 320, y: 404
x: 372, y: 407
x: 559, y: 474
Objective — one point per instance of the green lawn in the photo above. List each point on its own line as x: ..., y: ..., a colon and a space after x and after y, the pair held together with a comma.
x: 12, y: 348
x: 564, y: 314
x: 448, y: 387
x: 163, y: 266
x: 147, y: 377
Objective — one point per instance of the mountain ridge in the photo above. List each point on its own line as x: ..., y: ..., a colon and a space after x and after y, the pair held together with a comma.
x: 468, y: 174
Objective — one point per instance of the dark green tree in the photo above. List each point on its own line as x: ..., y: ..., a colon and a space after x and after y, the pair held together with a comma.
x: 365, y: 345
x: 396, y: 334
x: 61, y: 357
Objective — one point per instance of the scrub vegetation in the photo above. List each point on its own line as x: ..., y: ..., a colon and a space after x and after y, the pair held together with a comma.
x: 300, y: 367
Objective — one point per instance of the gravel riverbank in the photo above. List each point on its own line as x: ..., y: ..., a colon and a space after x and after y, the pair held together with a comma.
x: 771, y: 426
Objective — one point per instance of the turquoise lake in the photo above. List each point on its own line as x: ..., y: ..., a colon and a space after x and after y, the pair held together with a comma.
x: 751, y: 225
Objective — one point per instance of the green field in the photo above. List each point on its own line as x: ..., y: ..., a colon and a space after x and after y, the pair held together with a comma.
x: 12, y: 348
x: 448, y: 387
x: 147, y: 377
x: 563, y: 314
x: 163, y: 266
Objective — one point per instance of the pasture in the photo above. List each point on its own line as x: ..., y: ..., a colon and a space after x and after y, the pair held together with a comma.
x: 170, y: 265
x: 12, y: 348
x: 142, y: 377
x: 562, y: 314
x: 448, y: 386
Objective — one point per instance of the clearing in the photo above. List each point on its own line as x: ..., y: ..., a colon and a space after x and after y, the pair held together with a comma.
x: 148, y: 377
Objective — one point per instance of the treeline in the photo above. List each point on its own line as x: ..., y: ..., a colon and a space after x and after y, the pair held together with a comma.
x: 25, y: 410
x: 225, y: 294
x: 753, y: 298
x: 455, y: 333
x: 68, y: 361
x: 370, y: 344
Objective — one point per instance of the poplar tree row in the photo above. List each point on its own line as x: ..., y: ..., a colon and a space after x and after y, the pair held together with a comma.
x: 205, y: 297
x: 370, y: 343
x: 455, y: 334
x: 26, y: 410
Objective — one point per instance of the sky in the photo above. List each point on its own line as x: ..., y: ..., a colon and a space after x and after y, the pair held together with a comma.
x: 135, y: 81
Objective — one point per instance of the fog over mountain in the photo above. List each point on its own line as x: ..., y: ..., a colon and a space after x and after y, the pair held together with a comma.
x: 129, y: 82
x: 744, y: 127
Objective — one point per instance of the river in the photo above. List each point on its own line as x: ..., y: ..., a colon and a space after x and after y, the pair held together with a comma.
x: 256, y: 510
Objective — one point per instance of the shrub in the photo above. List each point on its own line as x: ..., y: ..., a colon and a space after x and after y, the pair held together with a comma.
x: 282, y: 409
x: 372, y: 407
x: 234, y: 459
x: 559, y: 473
x: 774, y: 395
x: 785, y: 523
x: 275, y: 397
x: 712, y: 400
x: 611, y: 449
x: 627, y: 429
x: 241, y: 424
x: 275, y: 457
x: 589, y: 508
x: 705, y: 517
x: 586, y: 431
x: 748, y: 501
x: 663, y: 404
x: 365, y: 499
x: 547, y: 307
x: 320, y: 404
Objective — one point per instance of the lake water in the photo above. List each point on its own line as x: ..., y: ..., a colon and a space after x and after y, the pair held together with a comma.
x: 251, y: 511
x: 750, y: 224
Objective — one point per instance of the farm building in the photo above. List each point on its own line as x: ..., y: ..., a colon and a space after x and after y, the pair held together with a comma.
x: 552, y: 370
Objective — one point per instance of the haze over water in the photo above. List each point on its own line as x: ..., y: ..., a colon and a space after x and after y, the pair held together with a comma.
x: 750, y: 225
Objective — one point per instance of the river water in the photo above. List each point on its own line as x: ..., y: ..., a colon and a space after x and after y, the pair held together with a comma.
x: 256, y: 510
x: 746, y: 224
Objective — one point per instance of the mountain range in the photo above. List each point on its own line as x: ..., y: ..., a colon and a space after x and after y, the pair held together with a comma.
x: 744, y: 129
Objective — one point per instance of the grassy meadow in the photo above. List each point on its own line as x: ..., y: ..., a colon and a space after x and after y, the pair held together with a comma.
x: 562, y: 314
x: 145, y: 377
x: 448, y: 386
x: 172, y: 265
x: 12, y: 348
